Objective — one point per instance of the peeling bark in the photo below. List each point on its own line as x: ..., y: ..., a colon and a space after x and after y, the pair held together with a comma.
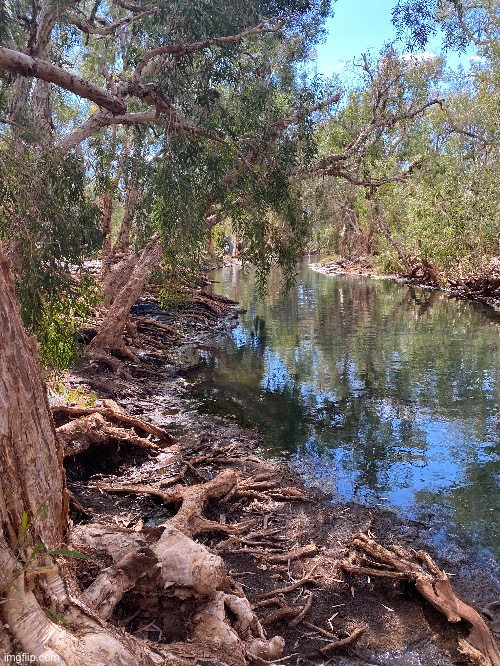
x: 107, y: 212
x: 109, y: 339
x: 131, y: 201
x: 114, y: 276
x: 24, y: 65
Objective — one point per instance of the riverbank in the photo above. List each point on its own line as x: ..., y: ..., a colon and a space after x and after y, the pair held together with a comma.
x: 290, y: 556
x: 484, y: 288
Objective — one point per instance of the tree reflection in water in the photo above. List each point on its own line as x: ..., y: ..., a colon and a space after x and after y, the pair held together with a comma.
x: 372, y: 389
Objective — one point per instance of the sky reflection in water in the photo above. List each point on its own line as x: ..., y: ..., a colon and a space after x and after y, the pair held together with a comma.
x: 375, y: 392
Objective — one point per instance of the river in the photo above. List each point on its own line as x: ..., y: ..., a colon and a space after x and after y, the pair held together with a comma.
x: 373, y: 391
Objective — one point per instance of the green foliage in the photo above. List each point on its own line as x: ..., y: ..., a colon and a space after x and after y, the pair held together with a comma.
x: 57, y: 326
x: 4, y: 20
x: 461, y: 23
x: 76, y: 397
x: 48, y: 226
x: 444, y: 215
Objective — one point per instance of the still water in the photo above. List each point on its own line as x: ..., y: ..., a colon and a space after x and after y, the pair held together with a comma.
x: 376, y: 392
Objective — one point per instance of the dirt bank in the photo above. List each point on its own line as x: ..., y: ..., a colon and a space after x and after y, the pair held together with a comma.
x: 484, y: 288
x: 292, y: 555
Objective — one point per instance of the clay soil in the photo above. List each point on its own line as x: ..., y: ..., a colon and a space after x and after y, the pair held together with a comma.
x: 293, y: 533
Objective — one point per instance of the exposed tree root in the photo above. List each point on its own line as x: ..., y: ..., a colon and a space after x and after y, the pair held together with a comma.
x: 117, y: 366
x: 431, y: 582
x: 111, y: 584
x: 295, y: 614
x: 192, y: 499
x: 290, y: 588
x: 79, y: 434
x: 175, y: 565
x: 147, y: 323
x: 342, y: 643
x: 296, y: 554
x: 113, y: 412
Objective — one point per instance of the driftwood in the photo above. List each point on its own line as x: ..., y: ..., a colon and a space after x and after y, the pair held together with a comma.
x: 432, y: 583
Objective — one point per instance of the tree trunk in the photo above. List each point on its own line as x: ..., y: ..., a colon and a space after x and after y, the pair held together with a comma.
x: 109, y: 339
x: 107, y: 213
x: 116, y: 276
x: 402, y: 256
x: 33, y: 511
x: 131, y: 201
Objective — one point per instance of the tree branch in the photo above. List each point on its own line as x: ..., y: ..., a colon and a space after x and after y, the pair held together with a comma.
x: 338, y: 171
x: 90, y: 28
x: 19, y: 63
x: 303, y: 113
x: 322, y: 166
x: 184, y: 49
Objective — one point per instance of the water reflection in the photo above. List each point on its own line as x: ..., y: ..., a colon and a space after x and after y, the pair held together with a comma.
x: 375, y: 391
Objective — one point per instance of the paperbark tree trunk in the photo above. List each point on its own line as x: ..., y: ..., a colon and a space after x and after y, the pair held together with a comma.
x: 33, y: 512
x: 131, y: 201
x: 107, y: 214
x: 109, y: 338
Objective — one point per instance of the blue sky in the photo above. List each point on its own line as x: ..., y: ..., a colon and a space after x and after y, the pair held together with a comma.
x: 358, y: 26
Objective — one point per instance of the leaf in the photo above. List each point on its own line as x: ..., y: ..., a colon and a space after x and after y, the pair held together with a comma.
x: 37, y: 549
x: 68, y: 553
x: 24, y: 521
x: 55, y: 615
x: 41, y: 570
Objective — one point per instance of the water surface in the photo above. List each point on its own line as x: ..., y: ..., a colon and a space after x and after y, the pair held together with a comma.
x: 376, y: 392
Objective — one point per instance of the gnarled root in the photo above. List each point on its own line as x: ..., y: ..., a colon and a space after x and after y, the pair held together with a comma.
x: 176, y: 566
x: 192, y: 500
x: 78, y: 435
x: 432, y: 583
x: 113, y: 412
x: 54, y: 643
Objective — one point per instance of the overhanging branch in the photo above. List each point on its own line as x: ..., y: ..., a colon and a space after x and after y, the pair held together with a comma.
x: 184, y: 49
x: 20, y: 63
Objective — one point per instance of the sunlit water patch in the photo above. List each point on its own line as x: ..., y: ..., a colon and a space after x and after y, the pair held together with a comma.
x: 374, y: 391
